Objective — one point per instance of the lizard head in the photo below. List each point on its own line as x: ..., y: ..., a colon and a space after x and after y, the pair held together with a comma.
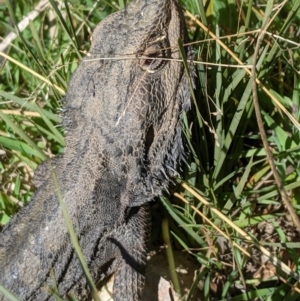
x: 132, y: 89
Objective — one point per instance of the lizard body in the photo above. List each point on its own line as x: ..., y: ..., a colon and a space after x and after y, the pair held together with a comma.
x: 123, y: 144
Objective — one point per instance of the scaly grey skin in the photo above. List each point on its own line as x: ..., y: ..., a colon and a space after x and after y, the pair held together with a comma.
x: 123, y: 143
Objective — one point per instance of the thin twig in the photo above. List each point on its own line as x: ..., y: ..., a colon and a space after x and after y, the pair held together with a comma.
x: 133, y: 56
x: 41, y: 6
x: 263, y: 135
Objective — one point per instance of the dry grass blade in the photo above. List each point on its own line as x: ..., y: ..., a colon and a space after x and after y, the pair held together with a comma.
x: 20, y: 113
x: 47, y: 81
x: 278, y: 263
x: 276, y: 101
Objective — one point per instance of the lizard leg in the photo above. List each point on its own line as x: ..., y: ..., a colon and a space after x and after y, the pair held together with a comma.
x: 130, y: 276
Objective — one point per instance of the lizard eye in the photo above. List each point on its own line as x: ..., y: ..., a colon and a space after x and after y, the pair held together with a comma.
x: 153, y: 58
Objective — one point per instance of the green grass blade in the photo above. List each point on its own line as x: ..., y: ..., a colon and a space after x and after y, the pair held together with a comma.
x: 178, y: 220
x: 72, y: 38
x: 56, y: 134
x: 238, y: 190
x: 19, y: 146
x: 235, y: 122
x: 22, y: 134
x: 7, y: 294
x: 73, y: 236
x: 30, y: 106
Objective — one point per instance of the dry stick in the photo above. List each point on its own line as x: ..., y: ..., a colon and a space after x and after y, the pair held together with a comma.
x: 42, y: 5
x: 264, y: 139
x: 277, y: 102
